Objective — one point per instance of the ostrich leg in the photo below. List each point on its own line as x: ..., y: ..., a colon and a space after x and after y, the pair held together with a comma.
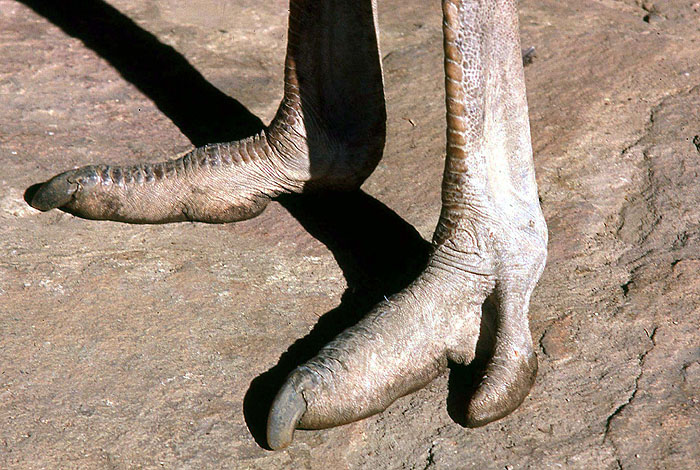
x: 490, y: 240
x: 328, y: 133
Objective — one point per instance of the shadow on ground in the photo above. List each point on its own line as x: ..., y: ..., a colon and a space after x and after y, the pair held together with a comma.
x: 201, y: 111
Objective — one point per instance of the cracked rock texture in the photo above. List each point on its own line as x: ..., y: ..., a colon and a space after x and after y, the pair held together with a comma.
x: 128, y: 346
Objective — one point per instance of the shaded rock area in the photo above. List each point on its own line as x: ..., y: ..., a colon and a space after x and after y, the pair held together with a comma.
x: 127, y: 346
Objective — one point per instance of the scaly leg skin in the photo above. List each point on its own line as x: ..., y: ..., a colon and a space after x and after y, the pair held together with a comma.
x: 328, y: 133
x: 491, y: 239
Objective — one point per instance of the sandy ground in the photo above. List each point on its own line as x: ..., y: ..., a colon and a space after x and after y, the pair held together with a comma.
x: 161, y: 346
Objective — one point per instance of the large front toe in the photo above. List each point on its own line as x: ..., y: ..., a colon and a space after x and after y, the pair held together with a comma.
x: 398, y: 348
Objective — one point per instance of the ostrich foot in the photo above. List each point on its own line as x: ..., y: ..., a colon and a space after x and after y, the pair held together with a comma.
x: 407, y: 340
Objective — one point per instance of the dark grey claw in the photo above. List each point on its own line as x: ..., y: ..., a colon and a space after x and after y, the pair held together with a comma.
x: 287, y: 410
x: 60, y: 190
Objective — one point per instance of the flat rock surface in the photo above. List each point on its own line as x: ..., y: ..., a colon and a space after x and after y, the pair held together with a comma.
x: 125, y: 346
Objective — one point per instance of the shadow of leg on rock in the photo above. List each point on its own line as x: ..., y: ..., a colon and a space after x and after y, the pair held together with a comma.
x: 201, y: 111
x: 379, y: 254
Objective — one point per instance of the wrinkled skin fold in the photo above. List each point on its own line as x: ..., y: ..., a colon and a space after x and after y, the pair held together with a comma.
x: 328, y: 134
